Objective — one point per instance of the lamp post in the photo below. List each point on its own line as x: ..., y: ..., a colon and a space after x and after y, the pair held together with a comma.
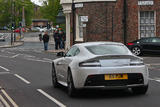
x: 12, y: 24
x: 73, y: 20
x: 124, y: 22
x: 23, y: 15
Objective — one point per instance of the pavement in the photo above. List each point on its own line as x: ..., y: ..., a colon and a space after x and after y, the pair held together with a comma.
x: 32, y: 39
x: 15, y: 44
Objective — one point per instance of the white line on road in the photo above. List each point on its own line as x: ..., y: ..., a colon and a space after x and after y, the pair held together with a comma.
x: 47, y: 59
x: 51, y: 98
x: 4, y: 68
x: 15, y: 56
x: 4, y: 101
x: 24, y: 80
x: 4, y: 73
x: 39, y: 60
x: 9, y: 98
x: 155, y: 79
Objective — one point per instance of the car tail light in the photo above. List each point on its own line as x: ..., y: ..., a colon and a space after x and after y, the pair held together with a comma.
x: 130, y: 43
x: 90, y: 64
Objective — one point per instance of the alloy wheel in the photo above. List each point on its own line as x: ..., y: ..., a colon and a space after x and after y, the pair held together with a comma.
x: 136, y: 51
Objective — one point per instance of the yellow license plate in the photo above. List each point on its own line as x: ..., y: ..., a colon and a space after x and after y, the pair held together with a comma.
x: 115, y: 76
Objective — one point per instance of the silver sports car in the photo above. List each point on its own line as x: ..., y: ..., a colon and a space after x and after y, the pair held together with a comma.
x: 107, y: 65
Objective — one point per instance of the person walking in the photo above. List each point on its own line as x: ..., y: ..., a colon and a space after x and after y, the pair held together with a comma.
x: 45, y: 40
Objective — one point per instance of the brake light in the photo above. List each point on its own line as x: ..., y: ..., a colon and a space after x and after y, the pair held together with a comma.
x: 130, y: 43
x: 90, y: 64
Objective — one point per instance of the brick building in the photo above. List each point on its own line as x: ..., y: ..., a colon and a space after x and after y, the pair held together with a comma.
x: 111, y: 20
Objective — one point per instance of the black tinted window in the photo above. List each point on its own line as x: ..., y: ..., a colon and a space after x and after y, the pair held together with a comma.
x: 155, y: 40
x: 145, y: 40
x: 108, y: 49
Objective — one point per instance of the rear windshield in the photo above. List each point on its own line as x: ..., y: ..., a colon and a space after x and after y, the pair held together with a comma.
x: 108, y: 49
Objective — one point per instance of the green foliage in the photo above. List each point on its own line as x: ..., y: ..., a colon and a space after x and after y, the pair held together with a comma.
x: 5, y: 13
x: 50, y: 10
x: 11, y: 10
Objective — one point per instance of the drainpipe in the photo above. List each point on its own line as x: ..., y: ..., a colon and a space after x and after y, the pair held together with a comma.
x: 73, y: 21
x: 124, y: 22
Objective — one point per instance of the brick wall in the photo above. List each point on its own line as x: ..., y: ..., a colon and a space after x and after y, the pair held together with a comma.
x: 102, y: 15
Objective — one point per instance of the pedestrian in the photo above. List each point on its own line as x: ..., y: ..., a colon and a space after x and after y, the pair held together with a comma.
x: 62, y: 39
x: 40, y: 36
x: 56, y: 39
x: 45, y: 40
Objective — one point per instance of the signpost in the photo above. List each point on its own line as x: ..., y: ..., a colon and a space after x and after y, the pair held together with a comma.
x: 145, y: 3
x: 84, y: 18
x: 79, y: 5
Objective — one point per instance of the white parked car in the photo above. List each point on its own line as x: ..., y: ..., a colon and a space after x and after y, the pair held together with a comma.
x: 107, y: 65
x: 2, y: 37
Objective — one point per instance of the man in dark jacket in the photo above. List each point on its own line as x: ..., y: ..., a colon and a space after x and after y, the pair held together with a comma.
x: 45, y: 41
x: 56, y: 39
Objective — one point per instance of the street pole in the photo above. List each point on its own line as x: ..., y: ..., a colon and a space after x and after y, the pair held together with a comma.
x: 12, y: 22
x: 23, y: 15
x: 73, y: 20
x: 112, y: 22
x: 124, y: 22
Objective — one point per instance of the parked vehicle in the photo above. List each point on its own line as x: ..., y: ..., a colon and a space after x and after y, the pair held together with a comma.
x: 18, y: 30
x: 2, y: 37
x: 107, y: 65
x: 145, y: 45
x: 35, y: 29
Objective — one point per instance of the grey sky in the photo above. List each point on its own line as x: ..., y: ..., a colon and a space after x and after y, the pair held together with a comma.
x: 38, y: 2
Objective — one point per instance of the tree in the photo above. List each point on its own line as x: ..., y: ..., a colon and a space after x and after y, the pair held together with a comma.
x: 5, y: 12
x: 28, y: 7
x: 50, y: 9
x: 11, y: 11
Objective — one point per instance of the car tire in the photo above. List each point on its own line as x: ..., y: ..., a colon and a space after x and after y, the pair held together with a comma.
x: 136, y: 51
x: 70, y: 85
x: 54, y: 77
x: 140, y: 90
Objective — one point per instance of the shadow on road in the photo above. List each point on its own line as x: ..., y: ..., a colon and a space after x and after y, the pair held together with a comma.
x: 96, y: 93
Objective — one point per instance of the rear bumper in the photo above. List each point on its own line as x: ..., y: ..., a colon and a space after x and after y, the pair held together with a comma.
x: 81, y: 75
x: 114, y: 87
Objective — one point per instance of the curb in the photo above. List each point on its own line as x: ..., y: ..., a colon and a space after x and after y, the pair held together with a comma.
x: 16, y: 44
x: 55, y: 51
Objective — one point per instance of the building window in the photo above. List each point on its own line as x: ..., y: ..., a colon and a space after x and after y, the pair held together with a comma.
x: 147, y: 24
x: 79, y: 28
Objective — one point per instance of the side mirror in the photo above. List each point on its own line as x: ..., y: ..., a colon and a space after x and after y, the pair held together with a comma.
x: 61, y: 54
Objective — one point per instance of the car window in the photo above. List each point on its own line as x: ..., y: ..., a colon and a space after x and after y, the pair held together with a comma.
x: 155, y: 40
x: 103, y: 49
x: 145, y: 40
x: 73, y: 52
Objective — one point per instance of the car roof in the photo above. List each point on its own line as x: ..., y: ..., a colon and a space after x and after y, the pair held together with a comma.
x: 98, y: 43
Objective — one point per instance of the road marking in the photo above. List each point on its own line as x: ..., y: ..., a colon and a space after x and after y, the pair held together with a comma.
x: 15, y: 56
x: 47, y: 59
x: 9, y: 98
x: 4, y: 73
x: 4, y: 68
x: 51, y: 98
x: 24, y: 80
x: 155, y: 79
x: 39, y: 60
x: 4, y: 101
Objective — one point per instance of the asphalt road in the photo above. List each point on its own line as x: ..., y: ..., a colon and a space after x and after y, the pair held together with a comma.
x: 25, y: 81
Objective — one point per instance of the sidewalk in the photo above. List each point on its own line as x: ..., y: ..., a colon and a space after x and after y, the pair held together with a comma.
x: 15, y: 44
